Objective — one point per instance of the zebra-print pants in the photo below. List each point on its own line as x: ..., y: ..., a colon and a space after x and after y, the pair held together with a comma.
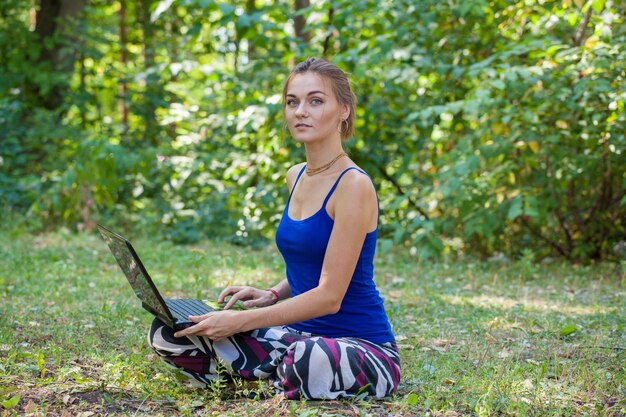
x: 299, y: 364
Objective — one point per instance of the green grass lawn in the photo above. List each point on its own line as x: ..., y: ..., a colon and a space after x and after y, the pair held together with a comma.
x: 476, y: 338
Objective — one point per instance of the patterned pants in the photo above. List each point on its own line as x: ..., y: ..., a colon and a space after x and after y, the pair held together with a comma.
x: 299, y: 364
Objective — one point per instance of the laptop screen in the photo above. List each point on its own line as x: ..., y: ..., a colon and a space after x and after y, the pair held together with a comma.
x: 133, y: 270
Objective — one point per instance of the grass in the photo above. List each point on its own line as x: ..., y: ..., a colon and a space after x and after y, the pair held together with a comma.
x: 476, y: 338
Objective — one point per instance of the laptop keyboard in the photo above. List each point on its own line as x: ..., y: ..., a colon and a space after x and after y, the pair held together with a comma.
x: 185, y: 307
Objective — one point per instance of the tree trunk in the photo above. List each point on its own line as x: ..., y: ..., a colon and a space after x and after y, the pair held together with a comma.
x: 152, y: 80
x: 300, y: 21
x: 326, y: 45
x: 123, y: 88
x: 174, y: 31
x: 250, y: 9
x: 55, y: 25
x: 83, y: 90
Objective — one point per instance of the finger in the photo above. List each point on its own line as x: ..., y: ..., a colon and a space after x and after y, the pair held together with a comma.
x: 226, y: 292
x: 186, y: 332
x: 257, y: 302
x: 197, y: 329
x: 234, y: 299
x: 198, y: 319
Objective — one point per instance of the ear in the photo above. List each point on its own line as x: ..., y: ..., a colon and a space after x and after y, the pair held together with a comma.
x: 345, y: 112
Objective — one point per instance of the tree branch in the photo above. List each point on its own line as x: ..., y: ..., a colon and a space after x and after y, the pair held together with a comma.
x: 538, y: 235
x: 326, y: 45
x: 557, y: 210
x: 397, y: 186
x: 300, y: 21
x: 580, y: 31
x: 575, y: 211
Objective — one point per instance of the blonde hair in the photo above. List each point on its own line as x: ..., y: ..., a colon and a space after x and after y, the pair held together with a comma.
x: 339, y: 83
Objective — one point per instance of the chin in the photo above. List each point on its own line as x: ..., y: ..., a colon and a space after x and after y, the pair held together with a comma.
x: 303, y: 138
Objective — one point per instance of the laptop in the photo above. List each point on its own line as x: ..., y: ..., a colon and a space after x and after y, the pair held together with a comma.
x: 173, y: 312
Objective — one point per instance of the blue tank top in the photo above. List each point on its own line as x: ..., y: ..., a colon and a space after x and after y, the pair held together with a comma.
x: 302, y: 244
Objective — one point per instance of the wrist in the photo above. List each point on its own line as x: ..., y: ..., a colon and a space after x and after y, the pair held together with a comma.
x: 275, y: 294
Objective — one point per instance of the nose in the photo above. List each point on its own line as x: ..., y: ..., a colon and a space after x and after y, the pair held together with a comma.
x: 300, y: 110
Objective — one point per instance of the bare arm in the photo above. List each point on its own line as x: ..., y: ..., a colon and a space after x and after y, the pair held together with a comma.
x: 355, y: 207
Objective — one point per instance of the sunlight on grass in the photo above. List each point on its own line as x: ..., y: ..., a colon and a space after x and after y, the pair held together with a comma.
x: 539, y: 305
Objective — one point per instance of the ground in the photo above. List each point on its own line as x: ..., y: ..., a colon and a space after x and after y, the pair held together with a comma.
x: 482, y: 338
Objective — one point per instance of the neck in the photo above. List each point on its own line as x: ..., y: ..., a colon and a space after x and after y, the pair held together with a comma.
x: 317, y: 156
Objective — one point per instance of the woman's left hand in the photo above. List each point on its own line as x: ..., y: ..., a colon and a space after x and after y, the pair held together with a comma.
x: 215, y: 325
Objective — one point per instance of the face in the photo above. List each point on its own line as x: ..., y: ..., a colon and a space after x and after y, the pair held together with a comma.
x: 312, y: 111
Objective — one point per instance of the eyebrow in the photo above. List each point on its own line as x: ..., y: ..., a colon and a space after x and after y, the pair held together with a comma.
x: 309, y: 94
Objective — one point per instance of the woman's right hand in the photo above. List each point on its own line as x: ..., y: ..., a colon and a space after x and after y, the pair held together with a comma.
x: 249, y: 297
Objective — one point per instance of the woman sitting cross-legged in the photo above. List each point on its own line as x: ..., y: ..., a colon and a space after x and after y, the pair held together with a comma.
x: 329, y: 337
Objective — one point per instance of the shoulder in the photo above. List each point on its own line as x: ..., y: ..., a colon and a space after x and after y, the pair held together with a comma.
x: 356, y: 187
x: 292, y: 174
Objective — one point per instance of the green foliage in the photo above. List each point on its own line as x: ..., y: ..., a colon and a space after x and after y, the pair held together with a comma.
x: 10, y: 402
x: 488, y: 126
x: 567, y: 330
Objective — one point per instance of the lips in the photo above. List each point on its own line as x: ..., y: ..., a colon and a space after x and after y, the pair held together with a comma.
x: 302, y: 125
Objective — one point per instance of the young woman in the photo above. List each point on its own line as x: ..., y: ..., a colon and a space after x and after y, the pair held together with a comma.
x: 329, y: 337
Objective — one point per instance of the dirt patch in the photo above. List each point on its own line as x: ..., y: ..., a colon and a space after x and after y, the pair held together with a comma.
x: 111, y: 402
x: 98, y: 402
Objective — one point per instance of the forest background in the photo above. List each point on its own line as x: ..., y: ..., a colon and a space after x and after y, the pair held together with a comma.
x: 489, y: 127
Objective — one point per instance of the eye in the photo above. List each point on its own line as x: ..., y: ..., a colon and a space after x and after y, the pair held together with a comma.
x: 291, y: 102
x: 316, y: 101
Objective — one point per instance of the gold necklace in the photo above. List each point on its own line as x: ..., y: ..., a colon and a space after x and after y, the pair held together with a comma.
x: 314, y: 171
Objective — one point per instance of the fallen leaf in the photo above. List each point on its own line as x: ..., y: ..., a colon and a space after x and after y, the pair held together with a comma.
x: 536, y: 329
x: 277, y: 399
x: 527, y: 384
x: 31, y: 407
x: 443, y: 342
x: 503, y: 354
x: 395, y: 295
x: 494, y: 323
